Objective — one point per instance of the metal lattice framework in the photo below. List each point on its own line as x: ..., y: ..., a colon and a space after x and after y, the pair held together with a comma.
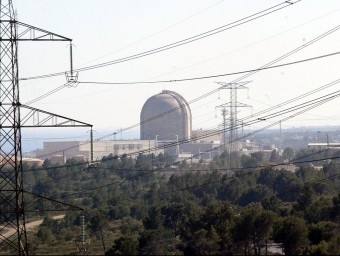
x: 11, y: 185
x: 13, y: 239
x: 232, y: 105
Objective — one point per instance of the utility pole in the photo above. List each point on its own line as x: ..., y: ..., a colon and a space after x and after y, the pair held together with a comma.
x: 13, y: 117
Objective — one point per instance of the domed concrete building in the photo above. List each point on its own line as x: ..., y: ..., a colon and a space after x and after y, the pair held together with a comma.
x: 165, y: 116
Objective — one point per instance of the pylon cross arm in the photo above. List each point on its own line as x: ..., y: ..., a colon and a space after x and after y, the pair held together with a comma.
x: 32, y: 117
x: 30, y: 33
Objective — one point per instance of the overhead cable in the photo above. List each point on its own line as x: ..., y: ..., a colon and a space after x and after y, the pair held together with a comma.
x: 211, y: 32
x: 218, y: 89
x: 316, y: 39
x: 253, y: 120
x: 212, y: 76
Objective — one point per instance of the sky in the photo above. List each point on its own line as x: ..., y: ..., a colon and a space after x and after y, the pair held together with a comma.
x: 106, y: 30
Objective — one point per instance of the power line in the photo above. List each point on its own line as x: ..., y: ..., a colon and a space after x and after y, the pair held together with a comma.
x: 314, y: 40
x: 303, y: 107
x: 216, y: 90
x: 294, y: 99
x: 214, y: 31
x: 159, y: 31
x: 49, y: 93
x: 308, y: 105
x: 213, y: 76
x: 53, y: 200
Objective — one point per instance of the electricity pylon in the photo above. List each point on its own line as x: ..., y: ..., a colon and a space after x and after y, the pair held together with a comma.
x: 232, y: 105
x: 233, y: 124
x: 13, y: 239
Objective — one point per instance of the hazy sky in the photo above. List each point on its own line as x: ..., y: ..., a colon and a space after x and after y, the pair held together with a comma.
x: 104, y: 30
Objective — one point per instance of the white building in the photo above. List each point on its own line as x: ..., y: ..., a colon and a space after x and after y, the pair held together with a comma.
x: 82, y: 149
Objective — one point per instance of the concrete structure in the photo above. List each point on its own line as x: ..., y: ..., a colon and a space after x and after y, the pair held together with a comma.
x: 166, y: 116
x: 80, y: 150
x: 32, y: 161
x: 207, y: 136
x: 59, y: 152
x: 58, y: 159
x: 29, y: 161
x: 205, y: 151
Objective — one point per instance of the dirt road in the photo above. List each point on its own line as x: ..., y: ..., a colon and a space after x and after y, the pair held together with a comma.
x: 29, y: 226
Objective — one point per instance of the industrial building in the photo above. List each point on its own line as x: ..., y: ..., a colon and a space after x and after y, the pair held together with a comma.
x: 166, y: 127
x: 59, y: 152
x: 81, y: 150
x: 25, y: 160
x: 166, y: 116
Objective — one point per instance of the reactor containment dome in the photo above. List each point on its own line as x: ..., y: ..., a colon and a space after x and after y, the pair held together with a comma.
x: 165, y: 116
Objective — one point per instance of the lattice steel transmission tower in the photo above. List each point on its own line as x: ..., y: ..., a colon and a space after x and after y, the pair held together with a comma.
x: 13, y: 117
x: 233, y: 144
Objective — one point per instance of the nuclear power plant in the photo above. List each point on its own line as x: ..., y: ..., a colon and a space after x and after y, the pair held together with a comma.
x: 165, y: 124
x: 165, y: 127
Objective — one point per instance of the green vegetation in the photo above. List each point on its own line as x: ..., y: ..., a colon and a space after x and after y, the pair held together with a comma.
x: 133, y: 208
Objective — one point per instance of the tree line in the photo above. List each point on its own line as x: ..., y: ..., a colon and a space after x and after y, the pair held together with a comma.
x: 150, y: 205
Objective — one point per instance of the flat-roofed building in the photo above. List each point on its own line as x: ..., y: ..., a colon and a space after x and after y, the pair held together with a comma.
x: 82, y: 149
